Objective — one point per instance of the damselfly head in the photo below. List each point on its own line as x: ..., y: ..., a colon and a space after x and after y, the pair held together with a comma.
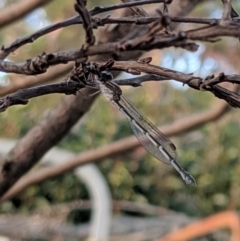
x: 106, y: 76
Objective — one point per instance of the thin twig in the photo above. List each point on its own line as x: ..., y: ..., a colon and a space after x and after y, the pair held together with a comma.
x: 71, y: 21
x: 87, y: 23
x: 21, y: 97
x: 20, y: 82
x: 135, y: 67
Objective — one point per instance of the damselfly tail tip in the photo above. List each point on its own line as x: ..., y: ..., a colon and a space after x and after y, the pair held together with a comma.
x: 189, y: 180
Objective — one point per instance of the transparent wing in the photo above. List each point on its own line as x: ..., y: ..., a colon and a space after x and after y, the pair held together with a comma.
x: 148, y: 135
x: 143, y: 127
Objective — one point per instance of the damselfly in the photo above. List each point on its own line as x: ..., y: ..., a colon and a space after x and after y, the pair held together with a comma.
x: 148, y: 134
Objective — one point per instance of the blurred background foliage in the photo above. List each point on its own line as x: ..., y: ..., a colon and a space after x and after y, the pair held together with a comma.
x: 211, y: 153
